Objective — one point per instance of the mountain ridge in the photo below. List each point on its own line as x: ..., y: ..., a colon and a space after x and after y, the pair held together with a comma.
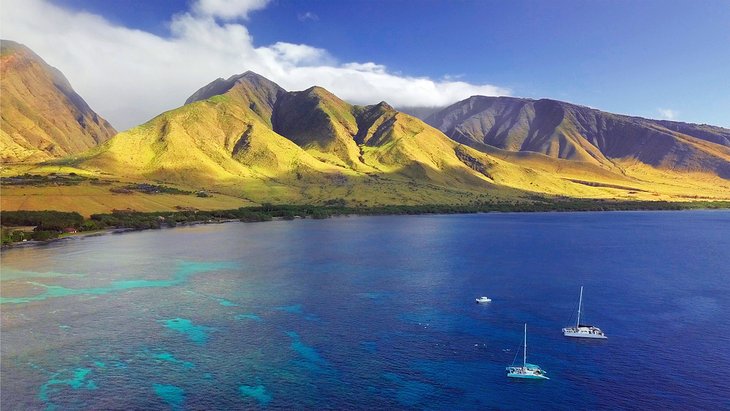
x: 564, y: 130
x: 42, y: 116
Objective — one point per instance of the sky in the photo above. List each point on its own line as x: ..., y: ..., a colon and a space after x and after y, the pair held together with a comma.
x: 133, y: 59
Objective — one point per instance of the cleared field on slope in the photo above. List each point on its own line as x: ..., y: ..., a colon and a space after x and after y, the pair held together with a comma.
x: 87, y: 199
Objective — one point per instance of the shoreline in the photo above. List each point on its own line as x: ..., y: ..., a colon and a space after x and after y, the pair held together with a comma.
x: 81, y: 235
x: 401, y: 211
x: 100, y: 233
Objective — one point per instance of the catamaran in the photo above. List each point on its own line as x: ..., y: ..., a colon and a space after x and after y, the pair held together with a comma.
x: 583, y: 330
x: 527, y: 370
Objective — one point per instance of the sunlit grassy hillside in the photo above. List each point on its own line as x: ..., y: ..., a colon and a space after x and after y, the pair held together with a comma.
x: 246, y: 141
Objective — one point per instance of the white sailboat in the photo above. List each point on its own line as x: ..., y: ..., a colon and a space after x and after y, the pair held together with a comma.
x: 583, y: 330
x: 527, y: 370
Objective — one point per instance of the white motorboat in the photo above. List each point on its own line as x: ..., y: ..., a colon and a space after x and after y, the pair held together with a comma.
x: 482, y: 300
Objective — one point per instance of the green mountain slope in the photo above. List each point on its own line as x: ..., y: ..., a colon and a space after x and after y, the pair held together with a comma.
x: 247, y: 138
x: 317, y: 147
x: 42, y: 116
x: 212, y: 143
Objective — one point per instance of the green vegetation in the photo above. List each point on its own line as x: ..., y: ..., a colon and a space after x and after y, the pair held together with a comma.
x: 51, y: 224
x: 49, y: 220
x: 52, y: 179
x: 47, y: 225
x: 15, y: 236
x: 149, y: 189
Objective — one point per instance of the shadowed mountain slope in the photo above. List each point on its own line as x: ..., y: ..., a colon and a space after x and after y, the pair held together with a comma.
x: 42, y: 116
x: 317, y: 120
x: 563, y: 130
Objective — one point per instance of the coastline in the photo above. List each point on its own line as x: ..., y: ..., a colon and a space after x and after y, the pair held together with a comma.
x: 74, y: 236
x: 99, y: 233
x: 285, y: 213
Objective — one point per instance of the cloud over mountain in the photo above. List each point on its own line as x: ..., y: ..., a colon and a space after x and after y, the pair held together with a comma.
x: 130, y: 75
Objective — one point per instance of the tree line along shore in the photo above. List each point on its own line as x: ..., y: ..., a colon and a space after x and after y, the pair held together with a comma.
x: 21, y: 226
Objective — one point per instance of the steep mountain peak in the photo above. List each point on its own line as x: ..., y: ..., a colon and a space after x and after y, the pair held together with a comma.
x: 320, y: 98
x: 384, y: 106
x: 373, y: 122
x: 249, y: 79
x: 320, y: 93
x: 247, y: 89
x: 42, y: 116
x: 252, y: 78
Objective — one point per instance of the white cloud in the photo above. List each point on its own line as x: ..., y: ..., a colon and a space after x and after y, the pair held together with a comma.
x: 129, y: 76
x: 297, y: 54
x: 667, y: 113
x: 228, y: 9
x: 308, y: 16
x: 450, y: 77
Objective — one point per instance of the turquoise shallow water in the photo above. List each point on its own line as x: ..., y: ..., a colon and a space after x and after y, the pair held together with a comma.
x: 372, y: 312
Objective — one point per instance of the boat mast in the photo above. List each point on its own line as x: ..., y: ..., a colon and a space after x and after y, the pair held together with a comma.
x: 580, y: 302
x: 524, y: 353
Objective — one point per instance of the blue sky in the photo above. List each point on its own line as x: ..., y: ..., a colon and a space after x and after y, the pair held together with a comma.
x: 651, y: 58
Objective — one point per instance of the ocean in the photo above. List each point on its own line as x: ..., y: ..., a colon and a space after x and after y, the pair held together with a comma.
x: 373, y: 313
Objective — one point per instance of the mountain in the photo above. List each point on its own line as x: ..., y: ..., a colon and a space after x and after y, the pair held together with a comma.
x: 419, y: 112
x: 317, y: 120
x: 247, y: 138
x: 222, y: 138
x: 42, y: 116
x: 567, y: 131
x: 249, y: 88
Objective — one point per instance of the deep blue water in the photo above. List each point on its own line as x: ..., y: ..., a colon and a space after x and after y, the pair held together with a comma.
x: 373, y: 313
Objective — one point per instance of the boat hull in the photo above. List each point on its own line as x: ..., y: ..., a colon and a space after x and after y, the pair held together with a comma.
x: 528, y: 372
x: 584, y: 335
x: 528, y: 376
